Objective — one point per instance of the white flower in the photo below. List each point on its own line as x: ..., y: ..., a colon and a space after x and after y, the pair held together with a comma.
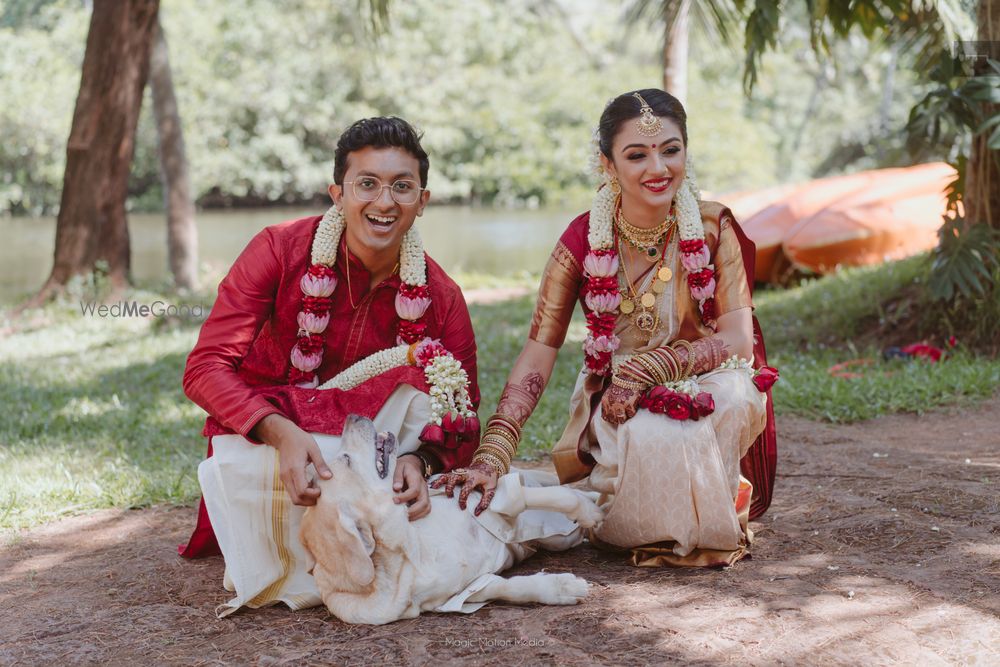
x: 601, y: 234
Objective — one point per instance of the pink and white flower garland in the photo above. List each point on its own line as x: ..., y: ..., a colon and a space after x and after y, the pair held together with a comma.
x: 451, y: 406
x: 600, y: 267
x: 320, y: 281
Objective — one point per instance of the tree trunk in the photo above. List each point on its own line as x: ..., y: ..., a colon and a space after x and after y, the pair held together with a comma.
x: 982, y: 179
x: 92, y: 225
x: 676, y: 17
x: 182, y: 235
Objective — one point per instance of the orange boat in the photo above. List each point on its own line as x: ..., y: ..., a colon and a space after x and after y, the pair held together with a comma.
x: 897, y: 217
x: 880, y: 197
x: 746, y: 203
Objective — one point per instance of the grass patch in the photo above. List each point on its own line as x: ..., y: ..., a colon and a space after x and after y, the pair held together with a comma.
x: 98, y: 417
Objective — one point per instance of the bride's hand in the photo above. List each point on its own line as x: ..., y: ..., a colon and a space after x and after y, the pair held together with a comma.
x: 480, y: 476
x: 619, y: 404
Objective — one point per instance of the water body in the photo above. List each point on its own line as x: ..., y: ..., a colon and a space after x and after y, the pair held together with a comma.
x: 462, y: 239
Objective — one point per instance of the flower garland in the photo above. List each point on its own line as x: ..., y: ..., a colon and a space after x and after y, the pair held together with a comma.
x: 451, y: 407
x: 320, y: 281
x: 684, y: 400
x: 600, y: 266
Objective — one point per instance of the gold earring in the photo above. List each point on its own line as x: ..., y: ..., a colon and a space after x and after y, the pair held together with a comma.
x: 616, y: 188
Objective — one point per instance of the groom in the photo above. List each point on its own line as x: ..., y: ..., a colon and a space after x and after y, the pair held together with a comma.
x: 272, y: 337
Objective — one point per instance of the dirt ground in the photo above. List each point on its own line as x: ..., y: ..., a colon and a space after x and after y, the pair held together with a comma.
x: 882, y: 547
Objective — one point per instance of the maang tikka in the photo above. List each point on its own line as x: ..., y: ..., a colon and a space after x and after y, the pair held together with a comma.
x: 648, y: 124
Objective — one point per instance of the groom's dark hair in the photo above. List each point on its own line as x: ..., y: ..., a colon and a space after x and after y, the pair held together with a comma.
x: 380, y: 132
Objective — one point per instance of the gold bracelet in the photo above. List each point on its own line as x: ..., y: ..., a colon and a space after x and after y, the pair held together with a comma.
x: 492, y: 461
x: 690, y: 353
x: 634, y: 375
x: 503, y: 429
x: 498, y: 452
x: 618, y: 381
x: 504, y: 419
x: 667, y: 356
x: 502, y: 445
x: 653, y: 368
x: 502, y: 433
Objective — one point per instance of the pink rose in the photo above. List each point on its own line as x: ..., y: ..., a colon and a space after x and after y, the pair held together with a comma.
x: 313, y: 323
x: 705, y: 292
x: 603, y: 303
x: 601, y: 344
x: 693, y: 261
x: 432, y: 434
x: 318, y: 286
x: 306, y: 362
x: 602, y: 265
x: 427, y: 351
x: 411, y: 308
x: 764, y: 378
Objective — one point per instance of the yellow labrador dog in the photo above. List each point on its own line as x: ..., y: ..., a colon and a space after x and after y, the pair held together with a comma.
x: 374, y: 566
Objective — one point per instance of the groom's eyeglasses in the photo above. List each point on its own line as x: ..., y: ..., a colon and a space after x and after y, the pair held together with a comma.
x: 369, y: 188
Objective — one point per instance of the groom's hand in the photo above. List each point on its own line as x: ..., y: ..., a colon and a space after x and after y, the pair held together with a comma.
x: 410, y: 486
x: 296, y: 450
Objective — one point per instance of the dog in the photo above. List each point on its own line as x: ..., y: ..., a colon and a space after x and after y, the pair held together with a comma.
x: 374, y: 566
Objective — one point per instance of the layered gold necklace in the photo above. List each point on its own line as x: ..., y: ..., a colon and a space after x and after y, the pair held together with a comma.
x: 646, y: 241
x: 644, y: 308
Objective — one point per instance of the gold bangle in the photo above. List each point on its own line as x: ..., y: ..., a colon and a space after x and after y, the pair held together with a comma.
x: 618, y: 381
x: 654, y: 368
x: 503, y: 432
x: 501, y: 454
x: 508, y: 447
x: 690, y: 354
x: 492, y: 461
x: 504, y: 419
x: 668, y: 359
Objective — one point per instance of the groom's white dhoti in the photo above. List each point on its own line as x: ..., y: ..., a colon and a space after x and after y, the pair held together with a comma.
x: 255, y: 522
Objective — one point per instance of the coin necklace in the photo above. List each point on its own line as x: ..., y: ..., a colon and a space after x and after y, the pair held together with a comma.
x: 643, y: 308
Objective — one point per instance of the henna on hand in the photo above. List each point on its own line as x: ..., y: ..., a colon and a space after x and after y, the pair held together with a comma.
x: 518, y: 400
x: 619, y: 404
x: 477, y: 475
x: 709, y: 353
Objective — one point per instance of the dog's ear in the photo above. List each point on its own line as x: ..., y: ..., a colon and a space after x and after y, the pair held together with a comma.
x: 342, y: 544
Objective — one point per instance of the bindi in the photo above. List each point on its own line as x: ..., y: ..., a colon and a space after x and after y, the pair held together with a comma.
x: 654, y: 145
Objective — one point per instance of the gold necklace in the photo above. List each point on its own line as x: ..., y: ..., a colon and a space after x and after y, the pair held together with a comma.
x: 646, y: 241
x: 644, y: 308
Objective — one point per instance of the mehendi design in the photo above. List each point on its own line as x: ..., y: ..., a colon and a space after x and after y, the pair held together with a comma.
x: 709, y: 353
x: 618, y: 404
x: 518, y: 401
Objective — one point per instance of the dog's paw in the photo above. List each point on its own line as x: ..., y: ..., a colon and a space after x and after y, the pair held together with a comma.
x: 567, y: 588
x: 586, y: 514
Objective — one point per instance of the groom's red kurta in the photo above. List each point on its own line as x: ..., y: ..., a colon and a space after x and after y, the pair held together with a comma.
x: 238, y: 370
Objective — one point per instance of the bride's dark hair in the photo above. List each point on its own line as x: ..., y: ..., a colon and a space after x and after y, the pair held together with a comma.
x: 626, y: 107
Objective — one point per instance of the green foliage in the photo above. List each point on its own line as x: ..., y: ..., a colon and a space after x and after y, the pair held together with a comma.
x: 264, y: 90
x: 958, y: 108
x: 954, y: 108
x: 807, y: 388
x: 964, y: 261
x: 846, y: 307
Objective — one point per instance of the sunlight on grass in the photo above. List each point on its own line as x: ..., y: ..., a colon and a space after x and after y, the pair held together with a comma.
x: 99, y: 418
